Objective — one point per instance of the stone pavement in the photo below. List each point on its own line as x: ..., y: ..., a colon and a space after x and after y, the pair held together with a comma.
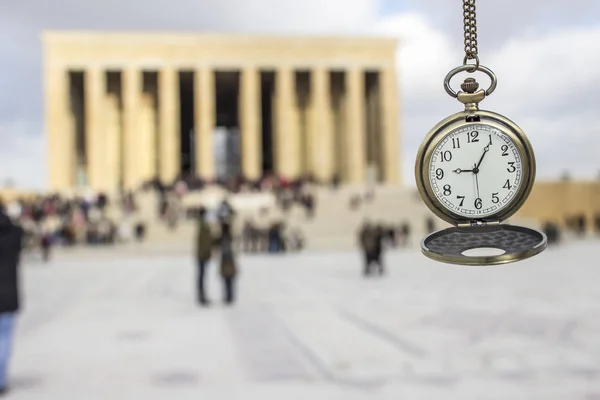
x: 309, y: 326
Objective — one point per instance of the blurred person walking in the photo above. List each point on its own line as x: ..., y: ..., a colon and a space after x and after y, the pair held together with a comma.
x: 204, y: 244
x: 11, y: 237
x: 370, y: 240
x: 228, y: 264
x: 47, y: 229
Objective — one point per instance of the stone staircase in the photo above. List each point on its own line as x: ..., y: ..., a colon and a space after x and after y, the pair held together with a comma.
x: 333, y: 227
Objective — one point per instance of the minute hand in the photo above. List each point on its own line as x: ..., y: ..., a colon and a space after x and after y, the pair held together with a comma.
x: 485, y: 150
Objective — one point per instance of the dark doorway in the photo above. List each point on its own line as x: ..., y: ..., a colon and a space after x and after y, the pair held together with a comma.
x: 303, y: 90
x: 227, y: 91
x: 186, y: 121
x: 77, y: 109
x: 267, y: 85
x: 114, y: 90
x: 227, y: 134
x: 373, y: 154
x: 150, y: 91
x: 338, y: 104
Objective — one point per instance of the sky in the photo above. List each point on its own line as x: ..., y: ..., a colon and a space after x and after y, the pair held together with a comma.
x: 546, y: 54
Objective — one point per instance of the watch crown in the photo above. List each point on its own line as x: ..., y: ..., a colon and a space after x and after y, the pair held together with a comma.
x: 470, y: 85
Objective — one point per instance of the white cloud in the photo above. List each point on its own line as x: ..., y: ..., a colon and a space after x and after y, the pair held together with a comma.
x: 22, y: 154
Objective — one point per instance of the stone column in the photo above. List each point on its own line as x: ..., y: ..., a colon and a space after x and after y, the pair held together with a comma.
x: 95, y: 143
x: 390, y: 133
x: 169, y: 140
x: 132, y: 92
x: 250, y: 118
x: 147, y: 138
x: 321, y: 129
x: 287, y: 140
x: 60, y: 133
x: 204, y: 122
x: 355, y: 126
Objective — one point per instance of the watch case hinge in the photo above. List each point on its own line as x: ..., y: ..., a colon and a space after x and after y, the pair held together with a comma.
x: 478, y: 222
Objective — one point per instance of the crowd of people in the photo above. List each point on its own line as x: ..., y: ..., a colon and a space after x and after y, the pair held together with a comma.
x: 97, y: 219
x: 272, y: 237
x: 287, y: 192
x: 58, y: 220
x: 373, y: 239
x: 54, y: 219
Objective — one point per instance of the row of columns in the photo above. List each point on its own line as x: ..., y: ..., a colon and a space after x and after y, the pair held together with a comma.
x: 107, y: 131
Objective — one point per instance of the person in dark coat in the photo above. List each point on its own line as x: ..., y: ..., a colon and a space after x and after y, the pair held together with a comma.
x: 552, y: 233
x: 370, y: 239
x: 204, y: 244
x: 228, y: 264
x: 11, y: 237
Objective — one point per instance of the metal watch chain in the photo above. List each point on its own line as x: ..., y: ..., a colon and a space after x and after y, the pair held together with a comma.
x: 470, y: 27
x: 470, y: 96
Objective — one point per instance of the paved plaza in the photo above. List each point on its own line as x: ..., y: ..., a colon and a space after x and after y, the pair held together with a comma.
x: 309, y: 326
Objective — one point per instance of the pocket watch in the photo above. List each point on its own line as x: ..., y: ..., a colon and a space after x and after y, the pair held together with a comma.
x: 475, y: 169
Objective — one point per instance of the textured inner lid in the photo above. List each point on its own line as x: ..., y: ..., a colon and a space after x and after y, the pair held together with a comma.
x: 511, y: 239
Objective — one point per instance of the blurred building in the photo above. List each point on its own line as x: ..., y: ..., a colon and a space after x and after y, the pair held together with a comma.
x: 123, y: 108
x: 558, y: 202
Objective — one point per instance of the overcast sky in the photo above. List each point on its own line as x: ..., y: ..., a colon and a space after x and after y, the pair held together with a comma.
x: 546, y: 54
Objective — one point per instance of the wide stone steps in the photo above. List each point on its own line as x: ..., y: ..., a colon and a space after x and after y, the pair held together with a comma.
x: 334, y: 226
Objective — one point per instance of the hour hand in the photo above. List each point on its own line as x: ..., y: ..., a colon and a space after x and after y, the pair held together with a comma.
x: 485, y: 150
x: 460, y: 171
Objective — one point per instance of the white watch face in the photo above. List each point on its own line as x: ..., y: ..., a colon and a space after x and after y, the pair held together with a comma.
x: 476, y: 171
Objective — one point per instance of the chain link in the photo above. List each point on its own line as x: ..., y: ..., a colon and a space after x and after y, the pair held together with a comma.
x: 470, y: 25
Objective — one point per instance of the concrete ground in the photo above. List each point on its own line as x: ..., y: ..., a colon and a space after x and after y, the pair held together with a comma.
x: 309, y: 326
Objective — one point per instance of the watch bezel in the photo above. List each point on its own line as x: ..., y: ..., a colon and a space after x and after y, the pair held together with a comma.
x: 448, y: 125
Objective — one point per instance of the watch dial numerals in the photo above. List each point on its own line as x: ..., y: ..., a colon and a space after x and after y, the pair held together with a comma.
x: 475, y: 171
x: 446, y: 156
x: 495, y: 198
x: 473, y: 137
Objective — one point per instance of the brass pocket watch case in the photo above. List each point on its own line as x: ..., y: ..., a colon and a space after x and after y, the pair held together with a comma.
x: 474, y: 170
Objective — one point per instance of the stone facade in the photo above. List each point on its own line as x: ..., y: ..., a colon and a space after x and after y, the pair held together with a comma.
x: 559, y: 201
x: 123, y: 108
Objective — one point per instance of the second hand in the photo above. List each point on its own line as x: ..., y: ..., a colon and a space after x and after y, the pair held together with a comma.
x: 477, y: 181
